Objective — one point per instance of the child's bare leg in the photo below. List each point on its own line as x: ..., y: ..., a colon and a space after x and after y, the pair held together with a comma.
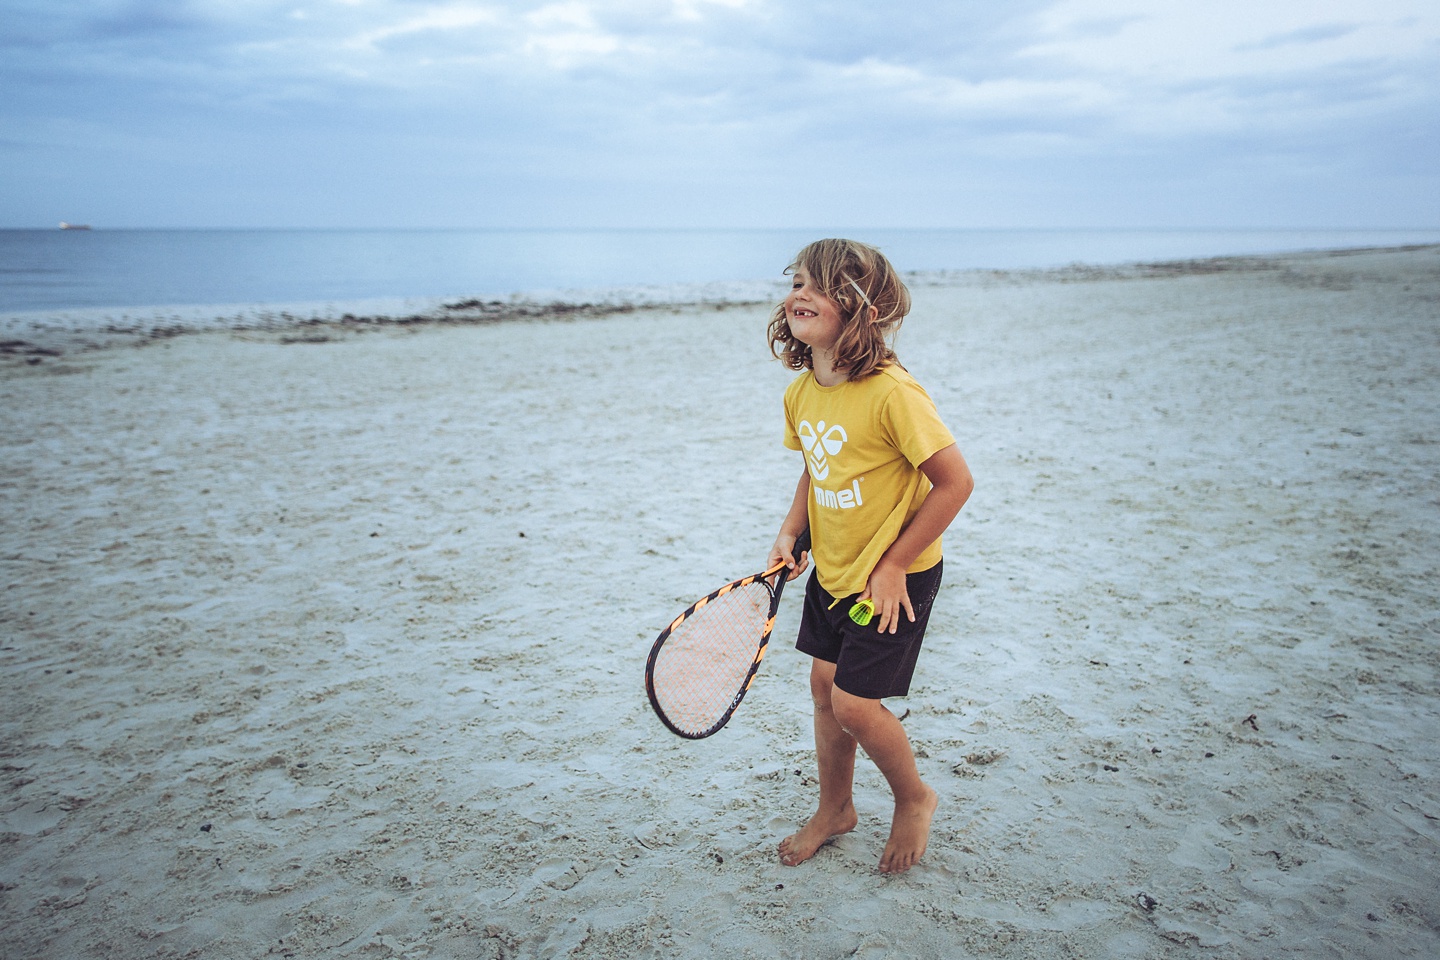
x: 885, y: 742
x: 835, y: 756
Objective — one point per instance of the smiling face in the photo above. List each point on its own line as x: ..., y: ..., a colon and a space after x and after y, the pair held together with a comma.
x: 814, y: 318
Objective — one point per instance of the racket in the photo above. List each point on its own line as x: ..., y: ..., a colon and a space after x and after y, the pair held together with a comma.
x: 703, y: 663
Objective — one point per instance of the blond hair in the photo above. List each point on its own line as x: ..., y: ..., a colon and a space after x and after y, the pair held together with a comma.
x: 872, y: 300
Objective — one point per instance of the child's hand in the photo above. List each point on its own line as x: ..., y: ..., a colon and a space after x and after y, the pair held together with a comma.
x: 887, y: 589
x: 783, y: 552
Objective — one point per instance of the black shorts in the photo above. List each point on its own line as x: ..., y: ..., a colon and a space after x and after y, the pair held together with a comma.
x: 868, y: 663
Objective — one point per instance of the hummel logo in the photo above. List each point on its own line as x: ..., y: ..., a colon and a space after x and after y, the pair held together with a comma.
x: 819, y: 441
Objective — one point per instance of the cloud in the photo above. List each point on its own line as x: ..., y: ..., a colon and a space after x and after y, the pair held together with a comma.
x: 1315, y: 34
x: 1169, y: 40
x: 735, y: 99
x: 1234, y: 67
x: 448, y: 19
x: 1123, y: 63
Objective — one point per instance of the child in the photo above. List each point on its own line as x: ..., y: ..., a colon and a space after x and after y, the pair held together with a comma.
x: 883, y: 479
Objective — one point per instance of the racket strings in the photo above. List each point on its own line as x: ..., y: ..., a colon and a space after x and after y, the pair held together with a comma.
x: 705, y: 663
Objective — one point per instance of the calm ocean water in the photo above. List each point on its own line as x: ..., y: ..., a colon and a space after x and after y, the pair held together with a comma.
x: 53, y: 270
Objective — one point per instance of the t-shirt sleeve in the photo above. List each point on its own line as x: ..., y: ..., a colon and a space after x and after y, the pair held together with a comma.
x: 792, y: 439
x: 913, y: 424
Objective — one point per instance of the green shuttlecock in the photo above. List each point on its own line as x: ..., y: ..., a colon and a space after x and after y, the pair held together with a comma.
x: 862, y: 612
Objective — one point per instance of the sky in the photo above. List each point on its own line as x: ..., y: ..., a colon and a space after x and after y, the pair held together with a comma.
x: 720, y: 113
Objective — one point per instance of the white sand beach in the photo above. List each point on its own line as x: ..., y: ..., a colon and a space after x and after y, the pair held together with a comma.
x: 332, y: 645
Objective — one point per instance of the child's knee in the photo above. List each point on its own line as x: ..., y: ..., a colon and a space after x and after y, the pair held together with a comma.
x: 822, y: 681
x: 820, y: 688
x: 854, y: 714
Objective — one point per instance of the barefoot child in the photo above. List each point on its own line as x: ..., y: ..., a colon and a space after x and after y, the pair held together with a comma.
x: 883, y: 479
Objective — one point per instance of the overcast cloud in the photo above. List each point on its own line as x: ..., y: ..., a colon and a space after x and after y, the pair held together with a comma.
x: 720, y: 113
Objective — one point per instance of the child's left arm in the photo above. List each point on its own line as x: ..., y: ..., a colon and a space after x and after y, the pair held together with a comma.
x: 951, y: 485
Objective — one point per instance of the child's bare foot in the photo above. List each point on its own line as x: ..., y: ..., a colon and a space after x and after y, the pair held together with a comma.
x: 802, y: 844
x: 909, y: 833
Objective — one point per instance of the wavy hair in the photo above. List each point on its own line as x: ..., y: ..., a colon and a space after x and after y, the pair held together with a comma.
x: 872, y: 301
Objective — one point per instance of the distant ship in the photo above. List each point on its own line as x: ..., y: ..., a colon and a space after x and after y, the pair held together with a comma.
x: 74, y: 226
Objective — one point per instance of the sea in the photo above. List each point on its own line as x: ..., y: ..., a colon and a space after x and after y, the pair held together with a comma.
x: 100, y: 271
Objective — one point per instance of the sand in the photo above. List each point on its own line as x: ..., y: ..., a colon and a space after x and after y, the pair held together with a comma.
x: 335, y: 647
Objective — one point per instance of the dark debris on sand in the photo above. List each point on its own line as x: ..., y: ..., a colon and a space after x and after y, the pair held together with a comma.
x: 288, y: 328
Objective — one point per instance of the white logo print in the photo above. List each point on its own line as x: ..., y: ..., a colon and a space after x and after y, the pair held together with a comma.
x: 819, y: 441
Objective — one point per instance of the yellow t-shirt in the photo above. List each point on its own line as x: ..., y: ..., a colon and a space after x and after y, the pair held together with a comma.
x: 864, y: 441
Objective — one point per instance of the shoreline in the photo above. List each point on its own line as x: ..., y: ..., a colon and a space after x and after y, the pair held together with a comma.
x: 35, y: 335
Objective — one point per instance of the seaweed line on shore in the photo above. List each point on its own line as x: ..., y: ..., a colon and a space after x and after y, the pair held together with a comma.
x: 33, y: 338
x: 285, y: 326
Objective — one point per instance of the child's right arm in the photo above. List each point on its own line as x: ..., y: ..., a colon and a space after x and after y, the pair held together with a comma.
x: 793, y: 525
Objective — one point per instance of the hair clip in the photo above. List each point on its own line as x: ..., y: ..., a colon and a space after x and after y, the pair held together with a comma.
x: 859, y: 291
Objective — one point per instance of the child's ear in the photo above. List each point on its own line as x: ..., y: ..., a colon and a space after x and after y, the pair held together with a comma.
x: 872, y: 313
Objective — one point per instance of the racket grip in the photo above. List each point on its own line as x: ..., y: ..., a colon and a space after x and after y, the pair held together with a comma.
x: 802, y: 545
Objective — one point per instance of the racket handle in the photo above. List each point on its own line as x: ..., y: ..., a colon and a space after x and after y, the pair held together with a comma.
x: 802, y: 545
